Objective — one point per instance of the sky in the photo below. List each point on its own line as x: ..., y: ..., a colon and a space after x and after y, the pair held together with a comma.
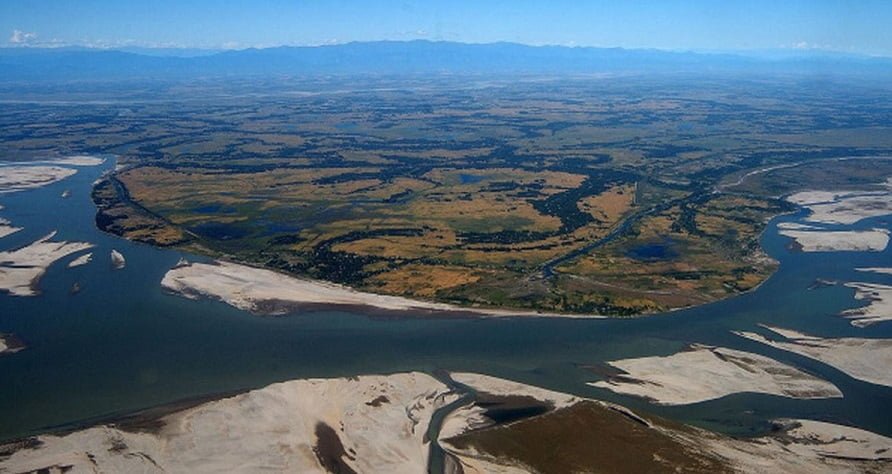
x: 861, y: 27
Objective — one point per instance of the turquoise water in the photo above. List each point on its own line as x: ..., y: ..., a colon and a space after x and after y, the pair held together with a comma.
x: 121, y: 344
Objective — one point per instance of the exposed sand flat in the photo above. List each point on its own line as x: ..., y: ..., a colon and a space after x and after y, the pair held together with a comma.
x: 365, y: 424
x: 705, y: 373
x: 796, y: 226
x: 879, y: 309
x: 828, y: 439
x: 21, y: 269
x: 117, y: 260
x: 874, y: 240
x: 843, y: 207
x: 6, y: 228
x: 79, y: 160
x: 805, y: 447
x: 864, y: 359
x: 82, y: 260
x: 18, y: 178
x: 880, y: 270
x: 263, y: 291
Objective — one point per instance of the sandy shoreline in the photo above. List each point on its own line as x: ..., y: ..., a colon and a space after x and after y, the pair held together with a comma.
x: 704, y: 373
x: 262, y: 291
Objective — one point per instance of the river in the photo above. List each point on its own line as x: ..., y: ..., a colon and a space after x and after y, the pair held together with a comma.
x: 121, y: 344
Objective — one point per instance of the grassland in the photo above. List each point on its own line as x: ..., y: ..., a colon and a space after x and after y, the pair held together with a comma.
x: 609, y: 195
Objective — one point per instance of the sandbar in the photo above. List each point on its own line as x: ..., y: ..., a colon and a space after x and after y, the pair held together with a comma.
x: 82, y: 260
x: 78, y: 160
x: 864, y: 359
x: 879, y: 309
x: 844, y: 207
x: 118, y: 260
x: 19, y: 178
x: 874, y: 240
x: 6, y: 228
x: 703, y: 373
x: 21, y: 269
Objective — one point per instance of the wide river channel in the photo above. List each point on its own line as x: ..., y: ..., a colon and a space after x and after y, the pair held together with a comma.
x: 122, y: 344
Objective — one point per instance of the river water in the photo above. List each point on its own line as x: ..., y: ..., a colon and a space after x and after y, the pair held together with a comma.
x: 121, y: 344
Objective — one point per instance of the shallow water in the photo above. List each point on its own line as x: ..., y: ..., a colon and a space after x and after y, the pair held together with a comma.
x: 121, y: 344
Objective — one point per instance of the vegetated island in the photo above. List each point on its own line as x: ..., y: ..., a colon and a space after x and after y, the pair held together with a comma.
x: 657, y: 250
x: 550, y: 194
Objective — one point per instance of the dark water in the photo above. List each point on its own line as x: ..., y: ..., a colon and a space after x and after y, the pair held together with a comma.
x: 653, y: 251
x: 121, y: 344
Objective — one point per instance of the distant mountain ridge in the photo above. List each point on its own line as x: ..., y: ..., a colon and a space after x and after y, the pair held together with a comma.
x: 405, y: 57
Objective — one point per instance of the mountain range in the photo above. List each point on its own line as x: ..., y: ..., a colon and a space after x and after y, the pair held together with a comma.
x: 408, y: 57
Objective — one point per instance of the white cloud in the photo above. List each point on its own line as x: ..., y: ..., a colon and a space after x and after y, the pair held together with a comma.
x: 22, y: 37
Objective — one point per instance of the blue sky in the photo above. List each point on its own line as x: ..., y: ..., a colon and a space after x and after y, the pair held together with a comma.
x: 849, y: 26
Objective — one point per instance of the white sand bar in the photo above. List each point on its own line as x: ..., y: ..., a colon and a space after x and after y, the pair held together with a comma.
x: 370, y: 423
x: 844, y: 207
x: 828, y: 439
x: 82, y: 260
x: 117, y: 259
x: 705, y: 373
x: 21, y: 269
x: 874, y: 240
x: 264, y: 291
x: 879, y: 309
x: 6, y: 228
x: 864, y: 359
x: 19, y: 178
x: 880, y: 270
x: 79, y: 160
x: 805, y: 447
